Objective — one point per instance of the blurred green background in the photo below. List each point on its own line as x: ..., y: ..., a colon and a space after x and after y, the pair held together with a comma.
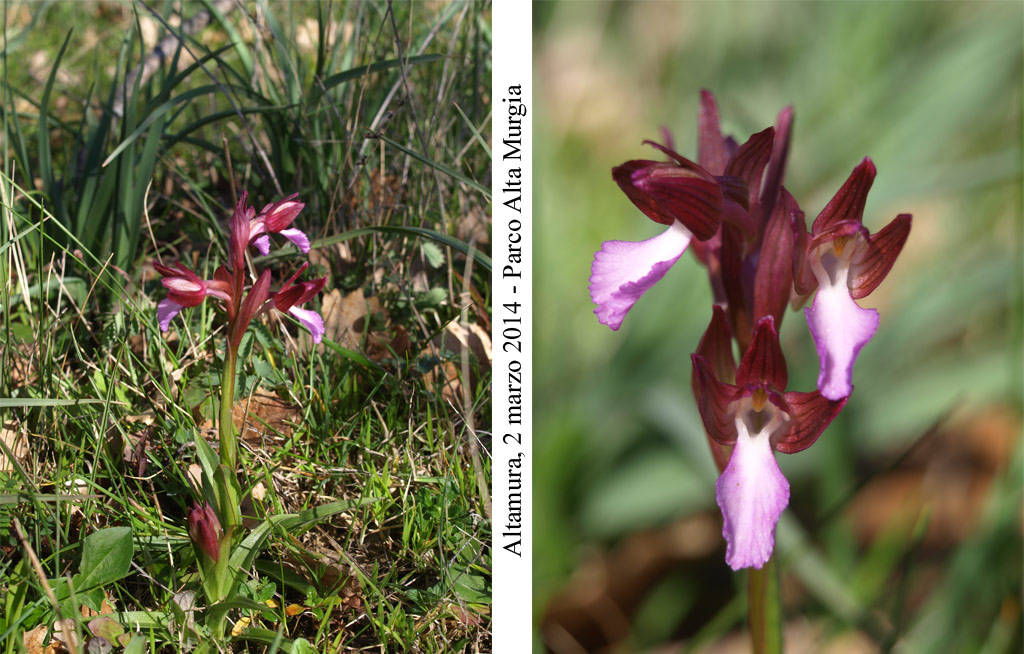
x: 904, y: 530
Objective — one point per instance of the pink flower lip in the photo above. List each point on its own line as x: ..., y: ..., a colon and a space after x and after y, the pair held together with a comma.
x: 622, y: 271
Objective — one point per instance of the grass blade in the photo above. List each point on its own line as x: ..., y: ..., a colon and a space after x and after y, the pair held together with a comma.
x: 440, y: 167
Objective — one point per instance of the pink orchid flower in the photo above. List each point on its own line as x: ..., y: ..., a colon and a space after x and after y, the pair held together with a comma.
x: 185, y: 289
x: 845, y: 262
x: 757, y: 417
x: 275, y: 219
x: 290, y: 295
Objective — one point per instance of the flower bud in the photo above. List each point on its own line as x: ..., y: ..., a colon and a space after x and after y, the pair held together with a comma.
x: 204, y: 530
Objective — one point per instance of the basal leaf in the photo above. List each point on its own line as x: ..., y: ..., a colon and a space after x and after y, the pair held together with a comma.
x: 106, y: 557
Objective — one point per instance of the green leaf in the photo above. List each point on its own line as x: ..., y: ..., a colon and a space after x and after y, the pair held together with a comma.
x: 302, y: 646
x: 454, y: 174
x: 267, y: 372
x: 208, y: 461
x: 435, y: 297
x: 137, y: 645
x: 237, y: 602
x: 353, y: 356
x: 242, y: 557
x: 276, y: 639
x: 23, y: 498
x: 354, y: 73
x: 433, y: 254
x: 106, y: 557
x: 472, y: 588
x: 45, y: 161
x: 433, y: 235
x: 157, y: 113
x: 104, y: 627
x: 8, y: 402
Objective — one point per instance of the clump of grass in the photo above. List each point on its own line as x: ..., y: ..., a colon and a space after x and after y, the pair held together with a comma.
x: 97, y: 409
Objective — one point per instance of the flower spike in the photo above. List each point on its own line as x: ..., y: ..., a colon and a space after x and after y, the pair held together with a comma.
x: 750, y: 234
x: 205, y: 531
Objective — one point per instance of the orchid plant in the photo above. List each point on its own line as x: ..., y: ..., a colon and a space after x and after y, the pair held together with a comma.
x: 215, y: 522
x: 750, y: 234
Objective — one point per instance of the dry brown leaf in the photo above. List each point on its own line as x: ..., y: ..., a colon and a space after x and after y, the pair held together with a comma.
x: 400, y: 341
x: 194, y: 474
x: 328, y: 568
x: 345, y: 318
x: 252, y: 514
x: 418, y: 276
x: 250, y: 414
x: 445, y: 376
x: 64, y: 631
x: 279, y: 415
x: 465, y: 616
x: 473, y: 227
x: 33, y: 639
x: 454, y: 339
x: 16, y: 442
x: 130, y: 447
x: 478, y: 340
x: 36, y: 646
x: 23, y: 363
x: 105, y: 609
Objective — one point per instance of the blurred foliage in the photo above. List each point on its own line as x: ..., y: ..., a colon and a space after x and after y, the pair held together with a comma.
x: 932, y: 93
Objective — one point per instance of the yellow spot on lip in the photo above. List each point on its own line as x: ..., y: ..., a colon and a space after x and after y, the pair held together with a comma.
x: 758, y: 399
x: 839, y: 245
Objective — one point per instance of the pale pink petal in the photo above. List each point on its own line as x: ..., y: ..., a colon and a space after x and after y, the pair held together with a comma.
x: 311, y: 320
x: 623, y: 271
x: 840, y: 329
x: 752, y: 493
x: 297, y: 237
x: 262, y: 243
x: 165, y: 312
x: 181, y: 284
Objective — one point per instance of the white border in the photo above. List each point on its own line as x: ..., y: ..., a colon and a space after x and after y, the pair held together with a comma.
x: 512, y: 576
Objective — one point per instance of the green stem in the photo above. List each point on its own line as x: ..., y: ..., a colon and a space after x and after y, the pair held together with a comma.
x: 228, y: 442
x: 765, y: 609
x: 226, y: 476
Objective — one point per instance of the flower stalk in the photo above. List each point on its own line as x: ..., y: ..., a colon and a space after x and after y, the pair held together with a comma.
x: 764, y: 608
